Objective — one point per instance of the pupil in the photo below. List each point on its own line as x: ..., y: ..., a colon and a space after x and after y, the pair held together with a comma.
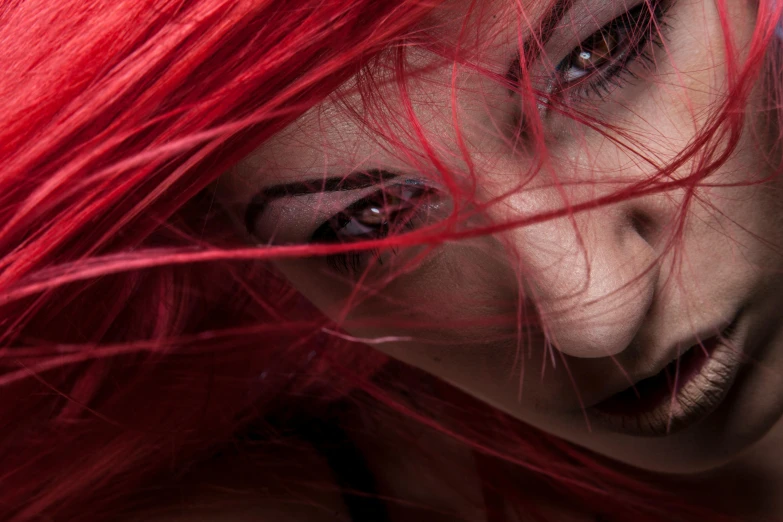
x: 372, y: 216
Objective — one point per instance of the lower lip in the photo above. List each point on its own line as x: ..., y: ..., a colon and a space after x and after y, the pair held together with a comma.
x: 685, y: 392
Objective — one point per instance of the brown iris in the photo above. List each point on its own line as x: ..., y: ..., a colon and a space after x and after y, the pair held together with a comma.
x: 388, y: 210
x: 596, y: 51
x: 593, y: 54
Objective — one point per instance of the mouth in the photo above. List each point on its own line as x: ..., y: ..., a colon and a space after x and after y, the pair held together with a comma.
x: 684, y: 392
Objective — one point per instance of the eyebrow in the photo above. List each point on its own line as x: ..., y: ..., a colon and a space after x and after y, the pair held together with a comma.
x: 353, y: 181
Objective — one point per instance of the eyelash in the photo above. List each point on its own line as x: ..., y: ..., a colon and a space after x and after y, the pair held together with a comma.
x: 397, y: 209
x: 640, y: 29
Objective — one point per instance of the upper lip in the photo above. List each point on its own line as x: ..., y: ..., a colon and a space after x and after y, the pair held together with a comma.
x: 672, y: 353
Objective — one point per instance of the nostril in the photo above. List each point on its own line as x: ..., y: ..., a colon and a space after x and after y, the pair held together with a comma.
x: 644, y: 225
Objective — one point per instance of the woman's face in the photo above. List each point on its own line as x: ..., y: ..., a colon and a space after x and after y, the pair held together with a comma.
x: 674, y: 289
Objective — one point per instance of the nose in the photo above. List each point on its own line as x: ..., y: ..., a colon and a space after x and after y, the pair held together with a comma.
x: 593, y: 277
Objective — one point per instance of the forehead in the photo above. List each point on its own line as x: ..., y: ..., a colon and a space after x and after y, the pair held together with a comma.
x: 329, y: 140
x: 452, y: 17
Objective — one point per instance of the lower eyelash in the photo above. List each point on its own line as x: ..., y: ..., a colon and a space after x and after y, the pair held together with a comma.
x: 351, y: 262
x: 602, y: 86
x: 354, y: 262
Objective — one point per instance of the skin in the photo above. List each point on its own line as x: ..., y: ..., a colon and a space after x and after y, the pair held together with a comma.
x: 619, y: 289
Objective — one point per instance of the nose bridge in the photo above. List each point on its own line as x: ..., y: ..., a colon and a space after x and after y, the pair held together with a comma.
x: 592, y: 276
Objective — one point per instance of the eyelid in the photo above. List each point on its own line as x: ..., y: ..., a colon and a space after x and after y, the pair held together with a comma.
x: 388, y: 206
x: 641, y: 24
x: 578, y: 23
x: 292, y: 220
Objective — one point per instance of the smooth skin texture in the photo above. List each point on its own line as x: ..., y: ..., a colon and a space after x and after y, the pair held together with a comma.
x: 615, y: 298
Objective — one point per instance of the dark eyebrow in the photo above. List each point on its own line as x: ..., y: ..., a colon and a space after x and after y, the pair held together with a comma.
x: 353, y: 181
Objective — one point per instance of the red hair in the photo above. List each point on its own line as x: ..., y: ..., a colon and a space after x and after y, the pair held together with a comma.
x: 132, y: 342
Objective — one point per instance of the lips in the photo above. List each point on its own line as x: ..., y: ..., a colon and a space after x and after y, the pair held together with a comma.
x: 680, y: 394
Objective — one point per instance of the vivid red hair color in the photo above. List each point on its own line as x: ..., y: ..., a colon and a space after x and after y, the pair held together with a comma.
x: 132, y: 342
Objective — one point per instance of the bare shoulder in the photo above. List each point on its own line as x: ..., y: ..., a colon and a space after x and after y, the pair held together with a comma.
x: 277, y: 485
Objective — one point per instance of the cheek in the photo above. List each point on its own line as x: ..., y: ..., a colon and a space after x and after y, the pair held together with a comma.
x: 458, y: 315
x: 454, y: 290
x: 458, y: 295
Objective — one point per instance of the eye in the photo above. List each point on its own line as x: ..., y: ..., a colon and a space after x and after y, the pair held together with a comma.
x: 592, y: 55
x: 375, y: 216
x: 605, y: 57
x: 393, y: 210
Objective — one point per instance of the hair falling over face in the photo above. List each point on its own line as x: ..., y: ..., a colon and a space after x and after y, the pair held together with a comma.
x: 528, y: 248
